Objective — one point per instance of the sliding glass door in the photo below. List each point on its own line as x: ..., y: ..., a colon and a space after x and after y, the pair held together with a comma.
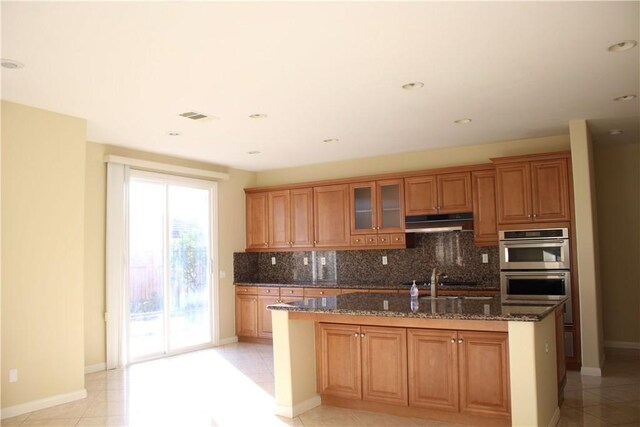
x: 170, y: 235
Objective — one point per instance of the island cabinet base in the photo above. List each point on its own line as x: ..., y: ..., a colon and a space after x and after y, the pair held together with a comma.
x: 415, y: 412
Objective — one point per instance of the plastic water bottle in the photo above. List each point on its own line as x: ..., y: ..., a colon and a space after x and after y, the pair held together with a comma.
x: 414, y: 290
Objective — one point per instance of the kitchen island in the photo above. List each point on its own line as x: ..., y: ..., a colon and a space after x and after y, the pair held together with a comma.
x: 472, y: 360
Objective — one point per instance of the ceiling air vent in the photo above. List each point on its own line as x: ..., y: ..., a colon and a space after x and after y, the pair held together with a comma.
x: 194, y: 115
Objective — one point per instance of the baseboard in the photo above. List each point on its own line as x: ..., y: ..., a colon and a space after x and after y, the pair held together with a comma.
x: 47, y: 402
x: 90, y: 369
x: 228, y: 340
x: 622, y: 344
x: 300, y: 408
x: 591, y: 372
x: 553, y: 422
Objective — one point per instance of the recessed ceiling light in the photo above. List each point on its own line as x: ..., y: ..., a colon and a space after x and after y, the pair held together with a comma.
x: 463, y: 121
x: 11, y: 64
x: 253, y: 152
x: 174, y: 133
x: 625, y: 98
x: 413, y: 86
x: 258, y: 116
x: 616, y: 132
x: 622, y: 46
x: 331, y: 140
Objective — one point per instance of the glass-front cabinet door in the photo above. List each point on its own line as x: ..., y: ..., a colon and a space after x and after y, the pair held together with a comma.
x: 390, y: 200
x: 377, y: 207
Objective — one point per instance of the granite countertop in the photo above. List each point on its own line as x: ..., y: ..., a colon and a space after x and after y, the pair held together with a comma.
x: 473, y: 308
x: 366, y: 285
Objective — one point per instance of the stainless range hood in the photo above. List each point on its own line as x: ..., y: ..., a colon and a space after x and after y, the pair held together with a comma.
x: 439, y: 223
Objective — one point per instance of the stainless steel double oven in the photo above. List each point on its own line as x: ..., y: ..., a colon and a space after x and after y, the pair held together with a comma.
x: 536, y: 265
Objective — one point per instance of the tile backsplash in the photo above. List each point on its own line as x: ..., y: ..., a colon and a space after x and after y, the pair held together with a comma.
x: 454, y: 253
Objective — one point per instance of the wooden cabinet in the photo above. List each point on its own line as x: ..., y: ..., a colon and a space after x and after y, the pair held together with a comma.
x: 246, y: 312
x: 362, y: 362
x: 253, y: 320
x: 256, y: 220
x: 290, y: 218
x: 465, y: 371
x: 532, y: 191
x: 560, y: 354
x: 331, y: 216
x: 443, y: 193
x: 485, y: 221
x: 377, y: 207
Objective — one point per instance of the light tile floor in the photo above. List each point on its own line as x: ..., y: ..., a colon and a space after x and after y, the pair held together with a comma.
x: 233, y: 386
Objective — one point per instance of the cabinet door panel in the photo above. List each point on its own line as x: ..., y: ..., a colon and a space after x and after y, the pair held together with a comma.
x: 390, y: 206
x: 362, y: 202
x: 331, y: 215
x: 485, y: 222
x: 454, y: 192
x: 384, y: 365
x: 264, y: 315
x: 484, y: 373
x: 256, y: 209
x: 246, y: 315
x: 338, y: 357
x: 514, y: 193
x: 279, y: 217
x: 550, y: 190
x: 433, y: 369
x: 421, y: 195
x: 302, y: 218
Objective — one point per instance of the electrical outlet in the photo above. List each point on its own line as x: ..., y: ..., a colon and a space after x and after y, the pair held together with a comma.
x: 13, y: 375
x: 385, y: 305
x: 485, y: 258
x: 384, y: 260
x: 323, y: 261
x: 305, y: 261
x: 546, y: 347
x: 223, y: 274
x: 273, y: 260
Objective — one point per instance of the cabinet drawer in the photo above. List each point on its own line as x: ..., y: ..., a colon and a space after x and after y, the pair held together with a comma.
x: 291, y: 292
x: 371, y: 239
x: 246, y: 290
x: 316, y: 292
x: 398, y: 239
x: 357, y: 240
x: 268, y: 291
x: 354, y: 291
x: 384, y: 239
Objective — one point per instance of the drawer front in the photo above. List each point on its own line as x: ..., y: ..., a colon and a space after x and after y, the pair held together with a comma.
x: 316, y: 292
x: 354, y: 291
x: 357, y: 240
x: 269, y: 291
x: 291, y: 292
x: 246, y: 290
x: 371, y: 239
x: 398, y: 239
x: 384, y: 239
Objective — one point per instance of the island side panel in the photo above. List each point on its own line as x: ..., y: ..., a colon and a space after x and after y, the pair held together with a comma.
x: 294, y: 364
x: 534, y: 386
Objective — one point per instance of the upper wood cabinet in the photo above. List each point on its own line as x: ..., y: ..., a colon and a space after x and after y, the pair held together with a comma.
x: 290, y: 218
x: 331, y: 216
x: 256, y: 210
x: 485, y: 221
x: 443, y: 193
x: 533, y: 190
x: 377, y: 207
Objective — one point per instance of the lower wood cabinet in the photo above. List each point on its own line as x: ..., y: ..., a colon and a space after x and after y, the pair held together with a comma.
x: 456, y: 371
x: 253, y: 320
x: 247, y: 315
x: 362, y: 362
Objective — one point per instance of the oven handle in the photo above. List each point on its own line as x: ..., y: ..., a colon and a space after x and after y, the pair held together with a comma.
x: 561, y: 275
x: 525, y: 243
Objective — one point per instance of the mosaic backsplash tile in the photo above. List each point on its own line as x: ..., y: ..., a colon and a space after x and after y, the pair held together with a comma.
x: 453, y: 253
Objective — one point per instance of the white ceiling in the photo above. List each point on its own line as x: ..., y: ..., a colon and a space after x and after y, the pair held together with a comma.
x: 323, y: 70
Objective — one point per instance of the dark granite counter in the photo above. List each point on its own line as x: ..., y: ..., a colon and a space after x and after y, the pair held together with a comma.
x: 367, y: 285
x: 390, y: 305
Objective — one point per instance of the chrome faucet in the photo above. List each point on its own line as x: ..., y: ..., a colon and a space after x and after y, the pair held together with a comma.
x: 434, y: 282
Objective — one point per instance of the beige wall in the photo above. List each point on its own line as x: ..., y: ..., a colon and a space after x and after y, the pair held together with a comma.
x: 43, y: 161
x: 436, y: 158
x: 230, y: 239
x: 587, y: 248
x: 617, y: 168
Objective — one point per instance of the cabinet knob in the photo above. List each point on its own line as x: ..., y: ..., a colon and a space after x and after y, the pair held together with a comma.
x: 362, y: 334
x: 535, y: 215
x: 356, y: 335
x: 266, y: 244
x: 268, y: 291
x: 529, y: 216
x: 321, y: 292
x: 460, y: 341
x: 315, y: 241
x: 453, y: 340
x: 357, y: 240
x: 290, y: 292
